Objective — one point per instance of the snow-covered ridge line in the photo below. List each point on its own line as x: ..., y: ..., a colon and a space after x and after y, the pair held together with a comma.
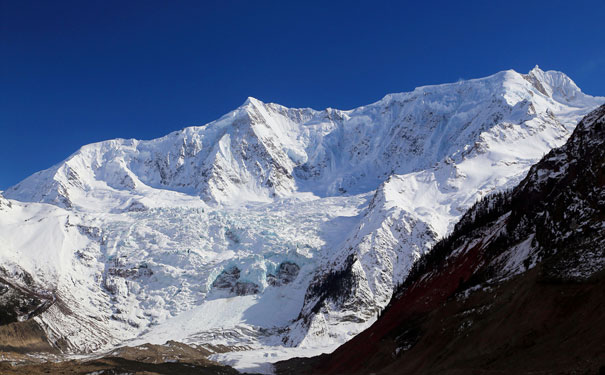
x: 261, y: 151
x: 282, y: 230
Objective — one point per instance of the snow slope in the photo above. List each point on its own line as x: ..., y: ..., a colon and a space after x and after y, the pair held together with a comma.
x: 520, y: 263
x: 272, y: 229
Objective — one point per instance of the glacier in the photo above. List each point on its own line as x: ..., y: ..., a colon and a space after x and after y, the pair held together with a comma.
x: 183, y: 237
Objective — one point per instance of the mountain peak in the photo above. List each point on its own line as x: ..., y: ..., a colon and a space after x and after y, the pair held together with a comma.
x: 557, y: 85
x: 552, y: 78
x: 536, y: 70
x: 209, y: 212
x: 251, y: 101
x: 306, y: 146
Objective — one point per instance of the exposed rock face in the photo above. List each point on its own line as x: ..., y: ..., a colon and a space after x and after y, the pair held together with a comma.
x: 562, y: 202
x: 522, y: 273
x: 4, y: 203
x: 244, y: 288
x: 229, y: 280
x: 20, y: 298
x: 136, y: 207
x: 286, y: 273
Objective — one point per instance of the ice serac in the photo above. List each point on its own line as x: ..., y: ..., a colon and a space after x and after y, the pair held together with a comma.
x: 284, y: 230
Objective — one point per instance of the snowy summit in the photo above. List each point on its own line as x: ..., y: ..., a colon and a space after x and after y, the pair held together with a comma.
x: 276, y: 230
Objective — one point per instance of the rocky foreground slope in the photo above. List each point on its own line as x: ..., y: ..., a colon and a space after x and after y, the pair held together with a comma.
x: 277, y: 232
x: 518, y: 286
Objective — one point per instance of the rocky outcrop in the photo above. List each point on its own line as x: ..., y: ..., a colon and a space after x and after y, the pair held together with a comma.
x: 229, y: 280
x: 4, y: 203
x: 286, y: 273
x: 20, y: 298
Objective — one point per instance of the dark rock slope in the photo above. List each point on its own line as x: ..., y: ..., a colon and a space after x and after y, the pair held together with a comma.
x: 518, y: 287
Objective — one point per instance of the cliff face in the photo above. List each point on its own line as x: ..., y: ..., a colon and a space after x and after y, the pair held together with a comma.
x: 516, y: 288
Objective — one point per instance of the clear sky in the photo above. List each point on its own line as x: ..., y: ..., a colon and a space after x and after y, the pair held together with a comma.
x: 76, y: 72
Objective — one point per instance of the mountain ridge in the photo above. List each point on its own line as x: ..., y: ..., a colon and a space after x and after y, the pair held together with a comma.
x: 269, y: 131
x: 183, y: 237
x: 534, y: 253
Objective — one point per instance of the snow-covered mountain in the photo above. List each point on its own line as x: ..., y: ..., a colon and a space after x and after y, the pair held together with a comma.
x: 270, y: 229
x: 518, y: 282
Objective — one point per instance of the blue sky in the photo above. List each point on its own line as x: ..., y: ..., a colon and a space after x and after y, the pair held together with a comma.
x: 76, y: 72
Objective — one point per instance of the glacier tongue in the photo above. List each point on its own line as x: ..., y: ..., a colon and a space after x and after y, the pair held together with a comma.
x: 273, y: 230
